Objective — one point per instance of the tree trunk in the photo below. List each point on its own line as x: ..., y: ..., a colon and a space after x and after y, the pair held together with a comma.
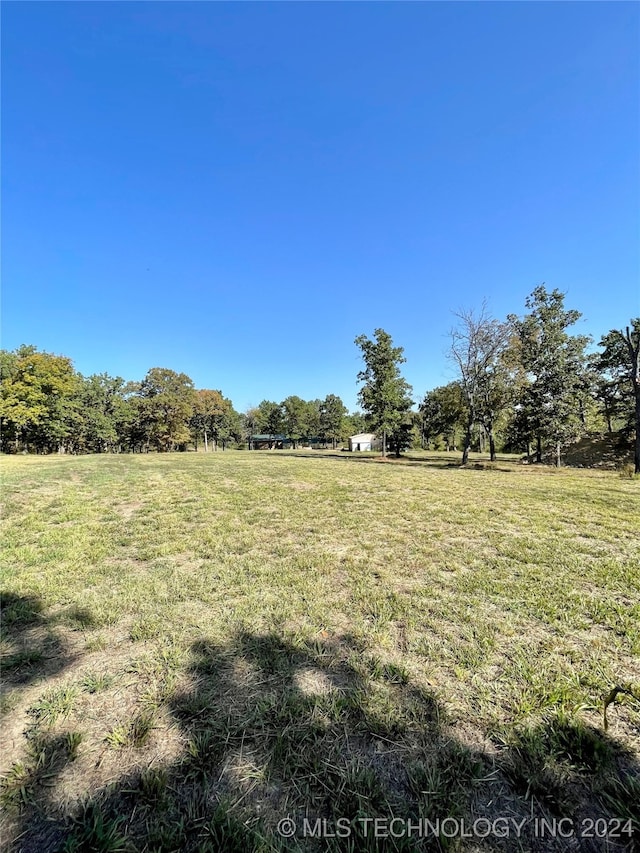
x: 558, y: 449
x: 634, y: 356
x: 538, y: 448
x: 384, y: 443
x: 492, y: 446
x: 637, y: 450
x: 467, y: 440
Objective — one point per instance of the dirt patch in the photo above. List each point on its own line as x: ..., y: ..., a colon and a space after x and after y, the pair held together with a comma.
x: 128, y: 510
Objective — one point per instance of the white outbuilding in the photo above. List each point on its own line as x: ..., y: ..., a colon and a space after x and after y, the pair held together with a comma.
x: 365, y: 441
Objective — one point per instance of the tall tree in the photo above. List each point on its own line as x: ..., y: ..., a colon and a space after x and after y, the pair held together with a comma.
x: 553, y: 362
x: 312, y: 419
x: 332, y: 419
x: 385, y: 394
x: 609, y: 393
x: 231, y: 429
x: 167, y: 400
x: 208, y: 418
x: 103, y: 411
x: 477, y: 346
x: 443, y: 413
x: 620, y: 361
x: 38, y: 400
x: 248, y: 423
x: 295, y: 415
x: 269, y: 418
x: 401, y: 437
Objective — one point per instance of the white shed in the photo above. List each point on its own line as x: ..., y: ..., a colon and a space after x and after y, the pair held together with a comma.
x: 365, y: 441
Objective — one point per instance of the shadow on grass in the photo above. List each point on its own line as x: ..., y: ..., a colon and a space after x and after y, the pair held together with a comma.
x: 32, y: 649
x: 323, y: 734
x: 436, y: 460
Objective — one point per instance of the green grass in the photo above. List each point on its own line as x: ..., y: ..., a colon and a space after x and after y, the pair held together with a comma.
x: 54, y: 703
x: 198, y: 645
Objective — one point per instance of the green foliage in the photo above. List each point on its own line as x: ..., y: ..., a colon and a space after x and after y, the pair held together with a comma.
x: 214, y: 419
x: 478, y: 347
x: 385, y: 395
x: 619, y: 363
x: 165, y: 408
x: 553, y: 364
x: 93, y: 831
x: 72, y: 744
x: 38, y: 400
x: 295, y: 419
x: 332, y: 419
x: 96, y: 682
x: 15, y: 785
x: 134, y: 733
x: 55, y: 703
x: 443, y: 413
x: 106, y: 413
x: 268, y: 418
x: 521, y: 382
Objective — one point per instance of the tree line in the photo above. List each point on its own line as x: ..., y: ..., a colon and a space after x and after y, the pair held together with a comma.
x: 524, y: 384
x: 47, y: 406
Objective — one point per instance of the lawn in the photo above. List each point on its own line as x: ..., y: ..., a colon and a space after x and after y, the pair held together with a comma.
x: 198, y: 646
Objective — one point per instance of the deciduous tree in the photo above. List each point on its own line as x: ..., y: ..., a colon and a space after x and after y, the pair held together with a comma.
x: 269, y: 418
x: 553, y: 362
x: 167, y: 400
x: 385, y: 394
x: 443, y: 412
x: 332, y: 419
x: 38, y: 399
x: 103, y: 410
x: 477, y: 346
x: 295, y: 414
x: 620, y: 361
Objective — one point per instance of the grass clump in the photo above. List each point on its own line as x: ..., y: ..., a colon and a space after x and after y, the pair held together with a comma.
x: 72, y: 744
x: 92, y: 830
x: 54, y: 704
x: 15, y: 786
x: 135, y: 733
x: 95, y: 682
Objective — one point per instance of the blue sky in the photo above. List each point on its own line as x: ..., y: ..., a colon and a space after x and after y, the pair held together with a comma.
x: 238, y: 190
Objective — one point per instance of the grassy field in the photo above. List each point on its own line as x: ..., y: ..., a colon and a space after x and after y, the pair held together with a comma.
x: 197, y: 646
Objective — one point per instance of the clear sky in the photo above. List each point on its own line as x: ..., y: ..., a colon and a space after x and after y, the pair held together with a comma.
x: 237, y: 190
